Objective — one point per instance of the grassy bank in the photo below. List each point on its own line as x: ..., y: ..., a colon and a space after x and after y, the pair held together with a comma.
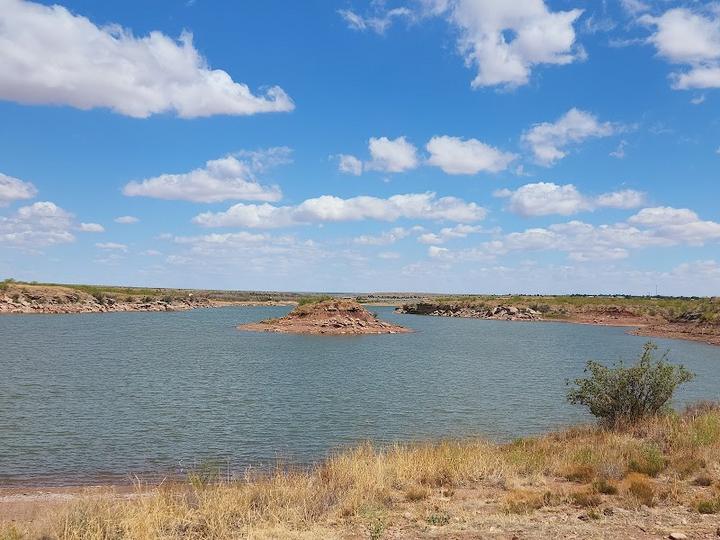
x: 666, y: 468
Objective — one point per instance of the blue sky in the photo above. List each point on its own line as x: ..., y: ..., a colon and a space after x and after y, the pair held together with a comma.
x: 421, y: 145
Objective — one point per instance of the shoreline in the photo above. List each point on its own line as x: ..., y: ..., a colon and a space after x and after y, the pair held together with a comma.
x: 637, y: 324
x: 645, y: 329
x: 579, y: 482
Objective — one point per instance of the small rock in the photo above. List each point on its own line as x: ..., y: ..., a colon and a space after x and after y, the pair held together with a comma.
x: 677, y: 536
x: 584, y: 517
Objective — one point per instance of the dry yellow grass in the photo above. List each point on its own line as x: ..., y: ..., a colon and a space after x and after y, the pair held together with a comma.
x: 360, y: 490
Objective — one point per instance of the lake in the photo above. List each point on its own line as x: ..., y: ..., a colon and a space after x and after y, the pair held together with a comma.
x: 98, y: 398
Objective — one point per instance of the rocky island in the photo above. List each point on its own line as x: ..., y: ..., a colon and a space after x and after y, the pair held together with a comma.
x: 327, y: 317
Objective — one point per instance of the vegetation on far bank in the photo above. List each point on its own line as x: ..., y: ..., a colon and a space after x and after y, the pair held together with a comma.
x: 147, y: 294
x: 688, y: 309
x: 696, y: 309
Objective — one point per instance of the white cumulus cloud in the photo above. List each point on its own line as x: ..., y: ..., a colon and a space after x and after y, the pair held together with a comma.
x: 350, y: 164
x: 227, y: 178
x: 549, y: 140
x: 690, y: 38
x: 392, y: 155
x: 329, y: 208
x: 505, y: 39
x: 14, y: 189
x: 547, y: 198
x: 49, y: 55
x: 449, y: 233
x: 457, y: 156
x: 91, y: 227
x: 384, y: 239
x: 38, y: 225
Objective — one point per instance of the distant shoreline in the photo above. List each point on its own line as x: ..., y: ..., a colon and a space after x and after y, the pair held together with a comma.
x: 692, y: 319
x: 643, y: 318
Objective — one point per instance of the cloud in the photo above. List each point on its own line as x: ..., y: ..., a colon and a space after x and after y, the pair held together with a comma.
x: 126, y: 220
x: 677, y: 225
x: 220, y: 180
x: 583, y: 242
x: 436, y: 252
x: 328, y: 208
x: 549, y: 140
x: 690, y: 38
x: 111, y: 246
x: 457, y: 156
x: 452, y: 154
x: 384, y: 239
x: 350, y: 165
x: 250, y: 253
x: 13, y: 189
x: 389, y: 255
x: 38, y: 225
x: 391, y: 155
x: 91, y: 227
x: 449, y: 233
x: 547, y: 198
x: 619, y: 152
x: 51, y: 56
x: 625, y: 199
x: 378, y: 23
x: 505, y: 40
x: 634, y: 7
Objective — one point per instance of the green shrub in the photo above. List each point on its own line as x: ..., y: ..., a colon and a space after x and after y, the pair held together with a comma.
x: 439, y: 518
x: 648, y: 459
x: 621, y: 394
x: 605, y: 487
x: 709, y: 506
x: 5, y: 284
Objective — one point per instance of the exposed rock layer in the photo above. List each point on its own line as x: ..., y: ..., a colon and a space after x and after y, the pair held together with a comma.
x: 505, y: 313
x: 20, y: 299
x: 331, y: 317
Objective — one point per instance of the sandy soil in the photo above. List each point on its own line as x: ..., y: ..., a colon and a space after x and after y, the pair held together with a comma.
x: 460, y: 514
